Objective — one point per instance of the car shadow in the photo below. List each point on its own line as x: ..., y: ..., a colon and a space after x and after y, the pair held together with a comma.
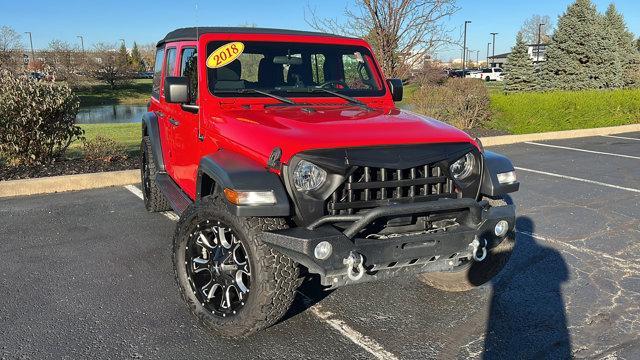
x: 308, y: 294
x: 527, y: 313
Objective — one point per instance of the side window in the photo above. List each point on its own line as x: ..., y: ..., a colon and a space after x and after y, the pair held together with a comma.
x: 157, y: 73
x: 317, y: 68
x: 356, y: 74
x: 189, y: 68
x: 170, y: 61
x: 250, y: 65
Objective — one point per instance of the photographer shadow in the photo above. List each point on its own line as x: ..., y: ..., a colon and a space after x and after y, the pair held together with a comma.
x: 527, y: 313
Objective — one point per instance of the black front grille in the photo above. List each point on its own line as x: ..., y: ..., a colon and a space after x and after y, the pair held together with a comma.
x: 369, y: 187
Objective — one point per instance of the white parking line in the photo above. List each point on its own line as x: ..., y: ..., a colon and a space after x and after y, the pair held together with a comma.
x: 366, y: 343
x: 578, y: 179
x: 620, y: 137
x: 583, y: 150
x: 137, y: 192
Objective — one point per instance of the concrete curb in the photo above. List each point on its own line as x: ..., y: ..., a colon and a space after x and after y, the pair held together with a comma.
x: 557, y: 135
x: 55, y: 184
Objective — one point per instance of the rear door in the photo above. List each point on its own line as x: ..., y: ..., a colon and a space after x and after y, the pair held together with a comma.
x: 167, y: 111
x: 159, y: 106
x: 186, y: 143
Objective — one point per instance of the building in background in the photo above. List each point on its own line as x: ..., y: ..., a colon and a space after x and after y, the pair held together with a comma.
x: 536, y: 54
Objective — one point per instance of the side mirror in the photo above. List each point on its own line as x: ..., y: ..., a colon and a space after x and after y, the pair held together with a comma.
x: 176, y: 89
x: 395, y: 85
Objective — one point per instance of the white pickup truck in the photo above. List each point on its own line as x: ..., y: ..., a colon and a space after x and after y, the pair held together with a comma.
x: 488, y: 74
x: 491, y: 74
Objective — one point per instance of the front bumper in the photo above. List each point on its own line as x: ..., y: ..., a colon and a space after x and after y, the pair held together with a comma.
x: 440, y: 250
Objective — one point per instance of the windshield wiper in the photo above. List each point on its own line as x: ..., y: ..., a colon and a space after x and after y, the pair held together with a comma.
x: 256, y: 91
x: 350, y: 99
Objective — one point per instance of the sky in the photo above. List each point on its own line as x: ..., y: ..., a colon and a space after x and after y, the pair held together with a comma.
x: 147, y: 21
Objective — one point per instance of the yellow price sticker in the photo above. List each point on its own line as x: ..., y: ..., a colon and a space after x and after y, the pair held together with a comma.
x: 225, y: 54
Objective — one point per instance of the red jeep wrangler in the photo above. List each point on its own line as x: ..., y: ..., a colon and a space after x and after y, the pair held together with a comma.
x: 283, y: 151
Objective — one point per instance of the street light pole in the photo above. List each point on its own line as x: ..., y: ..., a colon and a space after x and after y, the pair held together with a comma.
x: 539, y: 39
x: 488, y: 44
x: 81, y: 43
x: 478, y: 58
x: 33, y: 56
x: 464, y: 49
x: 493, y: 53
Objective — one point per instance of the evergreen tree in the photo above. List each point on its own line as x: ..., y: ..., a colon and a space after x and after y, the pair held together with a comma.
x: 123, y: 55
x: 136, y: 58
x: 578, y: 51
x: 519, y: 71
x: 624, y: 47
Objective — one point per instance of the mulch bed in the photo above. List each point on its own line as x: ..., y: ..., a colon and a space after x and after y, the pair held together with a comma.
x: 66, y: 167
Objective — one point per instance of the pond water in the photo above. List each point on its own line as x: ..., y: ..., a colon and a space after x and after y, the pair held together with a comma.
x: 110, y: 114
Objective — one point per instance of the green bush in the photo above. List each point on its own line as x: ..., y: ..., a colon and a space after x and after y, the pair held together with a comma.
x: 564, y: 110
x: 463, y: 103
x: 103, y: 149
x: 37, y: 119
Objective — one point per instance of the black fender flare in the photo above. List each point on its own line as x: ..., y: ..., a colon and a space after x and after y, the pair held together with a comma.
x: 495, y: 164
x: 231, y: 170
x: 151, y: 128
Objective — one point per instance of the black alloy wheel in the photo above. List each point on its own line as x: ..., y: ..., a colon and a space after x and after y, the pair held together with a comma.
x: 218, y: 268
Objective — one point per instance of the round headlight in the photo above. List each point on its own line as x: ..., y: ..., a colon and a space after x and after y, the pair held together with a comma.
x: 308, y: 176
x: 463, y: 167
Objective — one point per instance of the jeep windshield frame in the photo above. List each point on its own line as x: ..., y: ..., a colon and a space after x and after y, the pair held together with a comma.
x: 291, y: 69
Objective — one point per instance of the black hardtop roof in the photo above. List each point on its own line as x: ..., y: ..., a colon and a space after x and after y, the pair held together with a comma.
x: 192, y: 33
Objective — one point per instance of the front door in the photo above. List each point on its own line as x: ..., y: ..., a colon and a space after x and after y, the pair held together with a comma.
x: 185, y: 143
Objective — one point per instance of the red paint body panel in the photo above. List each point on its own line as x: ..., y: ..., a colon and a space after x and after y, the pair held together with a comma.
x: 254, y: 126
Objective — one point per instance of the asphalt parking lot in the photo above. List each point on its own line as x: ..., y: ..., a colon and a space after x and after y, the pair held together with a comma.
x: 88, y: 274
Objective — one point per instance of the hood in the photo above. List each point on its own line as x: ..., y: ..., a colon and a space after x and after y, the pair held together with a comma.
x: 296, y: 128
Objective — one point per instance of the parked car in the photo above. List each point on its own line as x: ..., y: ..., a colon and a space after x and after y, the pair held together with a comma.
x: 472, y: 74
x: 283, y: 150
x: 144, y: 75
x: 459, y: 73
x: 491, y: 74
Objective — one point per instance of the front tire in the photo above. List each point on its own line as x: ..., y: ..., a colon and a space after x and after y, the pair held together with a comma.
x: 473, y: 274
x: 234, y: 283
x: 154, y: 199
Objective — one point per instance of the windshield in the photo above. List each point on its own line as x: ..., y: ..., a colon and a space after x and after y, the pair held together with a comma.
x: 290, y: 69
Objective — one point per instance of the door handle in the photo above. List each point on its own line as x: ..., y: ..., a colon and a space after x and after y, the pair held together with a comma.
x: 160, y: 114
x: 174, y: 122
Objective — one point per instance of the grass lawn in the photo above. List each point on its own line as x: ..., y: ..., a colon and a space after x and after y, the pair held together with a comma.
x: 564, y: 110
x: 129, y: 135
x: 136, y: 92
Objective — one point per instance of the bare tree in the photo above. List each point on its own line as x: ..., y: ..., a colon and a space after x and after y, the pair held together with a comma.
x: 10, y: 48
x: 62, y: 60
x: 148, y: 54
x: 404, y: 33
x: 530, y: 29
x: 107, y: 65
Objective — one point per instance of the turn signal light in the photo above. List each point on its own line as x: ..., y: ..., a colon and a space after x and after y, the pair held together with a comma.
x: 250, y: 197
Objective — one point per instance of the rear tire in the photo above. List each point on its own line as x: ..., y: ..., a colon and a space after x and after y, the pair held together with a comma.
x: 474, y: 274
x: 154, y: 199
x: 487, y: 78
x: 259, y: 297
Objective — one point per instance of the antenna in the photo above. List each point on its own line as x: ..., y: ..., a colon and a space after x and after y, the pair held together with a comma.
x: 200, y: 135
x: 197, y: 24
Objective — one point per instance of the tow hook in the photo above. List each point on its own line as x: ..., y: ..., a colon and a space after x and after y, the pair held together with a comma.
x: 475, y: 246
x: 355, y: 269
